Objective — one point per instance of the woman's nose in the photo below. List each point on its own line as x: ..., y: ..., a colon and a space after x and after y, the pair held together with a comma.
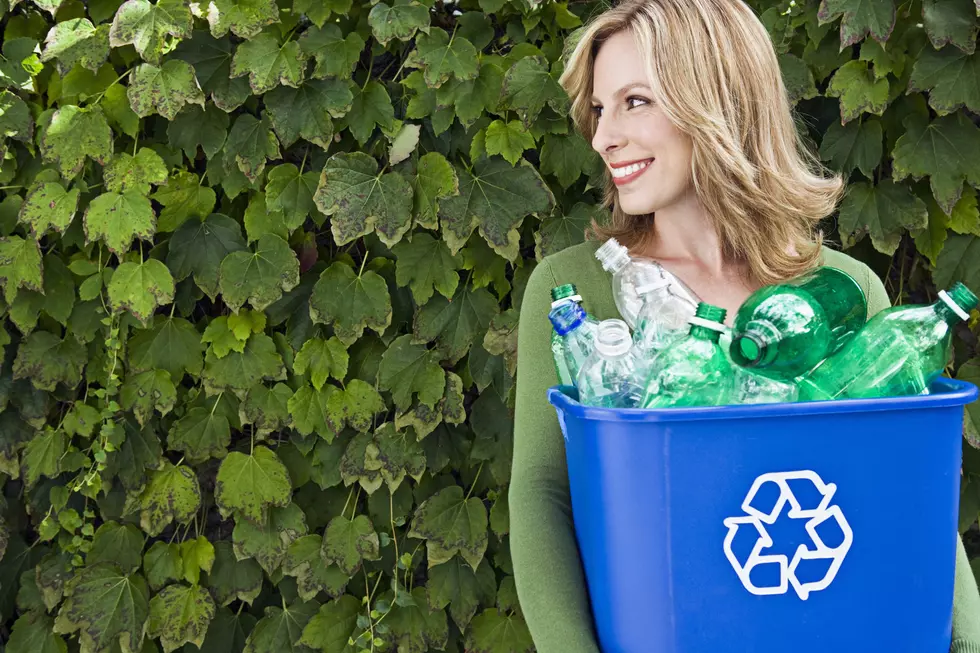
x: 608, y: 135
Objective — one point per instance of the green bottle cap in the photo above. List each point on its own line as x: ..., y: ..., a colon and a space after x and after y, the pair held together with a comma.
x: 563, y: 291
x: 963, y: 297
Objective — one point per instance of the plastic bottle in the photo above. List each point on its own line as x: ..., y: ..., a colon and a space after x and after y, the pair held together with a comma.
x: 693, y: 371
x: 608, y: 376
x: 560, y: 295
x: 662, y: 319
x: 898, y: 353
x: 631, y: 272
x: 570, y: 323
x: 751, y: 387
x: 784, y: 330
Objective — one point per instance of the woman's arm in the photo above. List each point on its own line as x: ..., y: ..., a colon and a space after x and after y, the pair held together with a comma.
x: 547, y: 568
x: 966, y: 597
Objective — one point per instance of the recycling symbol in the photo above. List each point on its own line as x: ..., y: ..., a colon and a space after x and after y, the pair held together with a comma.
x: 757, y: 519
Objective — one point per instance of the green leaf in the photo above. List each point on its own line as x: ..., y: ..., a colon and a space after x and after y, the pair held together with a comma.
x: 407, y: 369
x: 198, y: 247
x: 565, y: 157
x: 136, y: 173
x: 200, y: 434
x: 260, y: 276
x: 856, y: 144
x: 238, y: 372
x: 48, y: 360
x: 193, y: 127
x: 15, y: 120
x: 508, y: 139
x: 117, y: 218
x: 74, y: 134
x: 245, y: 18
x: 42, y: 456
x: 860, y: 18
x: 434, y: 179
x: 196, y: 555
x: 280, y: 629
x: 307, y: 111
x: 164, y: 90
x: 958, y: 262
x: 267, y: 543
x: 248, y: 484
x: 446, y: 57
x: 332, y: 627
x: 858, y: 90
x: 528, y: 87
x: 322, y: 359
x: 965, y: 218
x: 309, y: 408
x: 361, y: 200
x: 20, y: 266
x: 116, y: 106
x: 290, y: 191
x: 121, y: 544
x: 171, y: 344
x: 494, y: 631
x: 268, y: 64
x: 450, y: 523
x: 249, y: 144
x: 49, y: 206
x: 304, y: 561
x: 501, y: 338
x: 370, y: 107
x: 945, y: 150
x: 385, y: 455
x: 558, y: 232
x: 400, y: 21
x: 180, y: 614
x: 884, y: 212
x: 797, y: 78
x: 182, y: 198
x: 336, y: 55
x: 146, y: 26
x: 148, y: 391
x: 454, y: 584
x: 171, y: 494
x: 949, y: 76
x: 950, y: 22
x: 232, y: 579
x: 162, y: 564
x: 33, y: 632
x: 77, y: 41
x: 140, y: 287
x: 415, y: 628
x: 424, y: 264
x: 211, y: 59
x: 454, y: 323
x: 355, y: 406
x: 346, y: 542
x: 261, y: 220
x: 496, y: 199
x: 350, y: 302
x: 424, y: 419
x: 105, y: 607
x: 929, y: 241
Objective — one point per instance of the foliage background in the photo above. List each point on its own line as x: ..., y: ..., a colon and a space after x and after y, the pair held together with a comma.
x: 261, y: 266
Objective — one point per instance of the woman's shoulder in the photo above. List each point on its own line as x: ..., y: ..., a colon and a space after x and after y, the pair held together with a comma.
x: 871, y: 284
x: 575, y: 264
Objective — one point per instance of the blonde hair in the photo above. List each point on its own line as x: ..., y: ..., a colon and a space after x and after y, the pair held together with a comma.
x: 715, y: 74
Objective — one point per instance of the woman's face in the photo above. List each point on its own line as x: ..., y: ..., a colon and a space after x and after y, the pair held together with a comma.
x: 650, y: 159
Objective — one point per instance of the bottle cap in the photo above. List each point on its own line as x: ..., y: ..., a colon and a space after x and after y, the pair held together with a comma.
x: 613, y: 338
x: 612, y: 255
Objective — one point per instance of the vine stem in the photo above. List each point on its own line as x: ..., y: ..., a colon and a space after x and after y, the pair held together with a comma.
x: 473, y: 484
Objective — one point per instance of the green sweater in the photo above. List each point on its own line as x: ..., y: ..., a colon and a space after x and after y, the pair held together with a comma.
x: 548, y: 571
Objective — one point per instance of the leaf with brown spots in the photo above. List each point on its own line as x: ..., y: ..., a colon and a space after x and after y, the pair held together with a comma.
x: 164, y: 90
x: 180, y: 614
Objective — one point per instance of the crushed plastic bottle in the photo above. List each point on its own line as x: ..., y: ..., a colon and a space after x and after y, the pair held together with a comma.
x: 629, y: 273
x: 783, y: 331
x: 898, y: 353
x: 693, y: 371
x: 751, y: 387
x: 578, y: 338
x: 608, y: 376
x: 560, y: 295
x: 662, y: 319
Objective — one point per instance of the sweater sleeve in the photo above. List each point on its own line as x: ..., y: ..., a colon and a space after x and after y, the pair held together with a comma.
x: 966, y: 597
x: 547, y: 567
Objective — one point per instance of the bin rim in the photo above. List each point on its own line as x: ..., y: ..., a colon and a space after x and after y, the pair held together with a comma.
x: 946, y: 393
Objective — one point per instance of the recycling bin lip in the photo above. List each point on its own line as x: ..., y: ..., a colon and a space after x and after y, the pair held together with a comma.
x: 945, y: 393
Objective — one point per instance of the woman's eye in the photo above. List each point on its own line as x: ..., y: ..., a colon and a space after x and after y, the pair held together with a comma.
x: 633, y: 98
x: 597, y: 111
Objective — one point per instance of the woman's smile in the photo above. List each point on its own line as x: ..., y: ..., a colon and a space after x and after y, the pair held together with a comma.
x: 624, y: 174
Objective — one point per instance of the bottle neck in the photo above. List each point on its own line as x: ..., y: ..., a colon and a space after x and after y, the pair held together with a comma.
x: 705, y: 329
x: 949, y: 311
x: 756, y: 345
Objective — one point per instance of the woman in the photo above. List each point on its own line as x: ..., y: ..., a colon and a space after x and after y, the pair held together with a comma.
x: 684, y: 102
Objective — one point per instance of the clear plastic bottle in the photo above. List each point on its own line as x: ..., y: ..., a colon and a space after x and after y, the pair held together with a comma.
x: 751, y: 387
x: 608, y: 376
x: 694, y: 371
x: 631, y: 272
x: 898, y: 353
x: 560, y: 295
x: 662, y: 319
x: 578, y: 338
x: 784, y: 330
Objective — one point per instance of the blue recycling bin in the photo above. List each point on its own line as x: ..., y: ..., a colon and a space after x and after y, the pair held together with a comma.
x: 805, y: 527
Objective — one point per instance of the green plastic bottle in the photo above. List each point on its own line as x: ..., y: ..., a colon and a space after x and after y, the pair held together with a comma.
x: 898, y: 353
x: 561, y: 295
x: 784, y: 330
x: 694, y: 370
x: 578, y: 339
